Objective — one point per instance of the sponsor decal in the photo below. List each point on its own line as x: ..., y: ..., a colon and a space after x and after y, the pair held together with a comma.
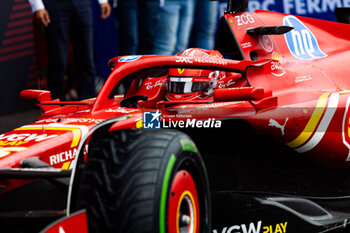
x: 71, y: 120
x: 222, y: 84
x: 278, y: 228
x: 311, y: 7
x: 66, y: 157
x: 276, y: 67
x: 243, y: 228
x: 303, y: 78
x: 184, y: 59
x: 83, y: 120
x: 274, y: 123
x: 211, y: 61
x: 213, y: 105
x: 151, y: 120
x: 301, y: 42
x: 264, y: 5
x: 322, y: 9
x: 12, y: 143
x: 121, y: 110
x: 254, y: 228
x: 190, y: 60
x: 129, y: 58
x: 321, y: 117
x: 244, y: 19
x: 266, y: 43
x: 183, y: 80
x: 19, y: 139
x: 246, y: 45
x: 63, y: 156
x: 211, y: 75
x: 151, y: 85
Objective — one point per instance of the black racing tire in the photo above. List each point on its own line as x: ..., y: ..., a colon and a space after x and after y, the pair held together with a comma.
x: 133, y: 181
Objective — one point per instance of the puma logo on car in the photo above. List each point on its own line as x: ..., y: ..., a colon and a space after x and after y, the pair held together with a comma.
x: 274, y: 123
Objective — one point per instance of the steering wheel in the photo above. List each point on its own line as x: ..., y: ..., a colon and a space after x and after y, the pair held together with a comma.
x: 133, y: 101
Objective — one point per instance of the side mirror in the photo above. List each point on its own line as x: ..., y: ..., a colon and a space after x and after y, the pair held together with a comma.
x: 35, y: 96
x: 234, y: 94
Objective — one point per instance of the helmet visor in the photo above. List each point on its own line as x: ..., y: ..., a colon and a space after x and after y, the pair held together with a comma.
x: 185, y: 85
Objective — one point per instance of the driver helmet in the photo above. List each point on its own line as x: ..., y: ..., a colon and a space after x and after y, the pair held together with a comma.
x: 193, y: 84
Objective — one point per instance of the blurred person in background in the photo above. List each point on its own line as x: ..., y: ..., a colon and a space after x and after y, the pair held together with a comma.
x: 205, y: 24
x: 135, y: 29
x: 127, y: 14
x: 64, y: 20
x: 171, y: 22
x: 164, y: 26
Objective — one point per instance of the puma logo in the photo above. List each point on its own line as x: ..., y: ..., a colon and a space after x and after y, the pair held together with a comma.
x: 274, y: 123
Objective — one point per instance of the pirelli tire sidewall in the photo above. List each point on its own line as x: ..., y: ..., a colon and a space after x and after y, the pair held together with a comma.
x: 183, y: 155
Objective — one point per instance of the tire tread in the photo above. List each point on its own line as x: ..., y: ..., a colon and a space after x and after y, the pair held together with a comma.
x: 120, y: 167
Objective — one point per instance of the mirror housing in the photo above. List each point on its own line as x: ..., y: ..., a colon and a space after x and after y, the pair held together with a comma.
x: 35, y: 96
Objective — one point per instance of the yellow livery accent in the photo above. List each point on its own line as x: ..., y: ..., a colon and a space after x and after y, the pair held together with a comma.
x: 180, y: 70
x: 348, y: 129
x: 76, y: 132
x: 139, y: 124
x: 89, y: 99
x: 76, y: 137
x: 311, y: 125
x: 66, y: 165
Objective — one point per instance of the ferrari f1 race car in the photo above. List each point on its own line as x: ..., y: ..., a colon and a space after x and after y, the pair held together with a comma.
x: 252, y: 137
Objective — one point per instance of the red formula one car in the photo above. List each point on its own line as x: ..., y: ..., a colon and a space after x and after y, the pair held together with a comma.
x: 250, y: 137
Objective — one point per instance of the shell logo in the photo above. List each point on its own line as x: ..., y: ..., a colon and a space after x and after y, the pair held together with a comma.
x: 275, y: 56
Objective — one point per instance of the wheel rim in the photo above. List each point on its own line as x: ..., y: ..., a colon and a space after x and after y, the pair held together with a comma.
x: 183, y: 211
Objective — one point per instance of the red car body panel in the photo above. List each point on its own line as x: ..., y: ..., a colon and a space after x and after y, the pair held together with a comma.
x: 75, y: 223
